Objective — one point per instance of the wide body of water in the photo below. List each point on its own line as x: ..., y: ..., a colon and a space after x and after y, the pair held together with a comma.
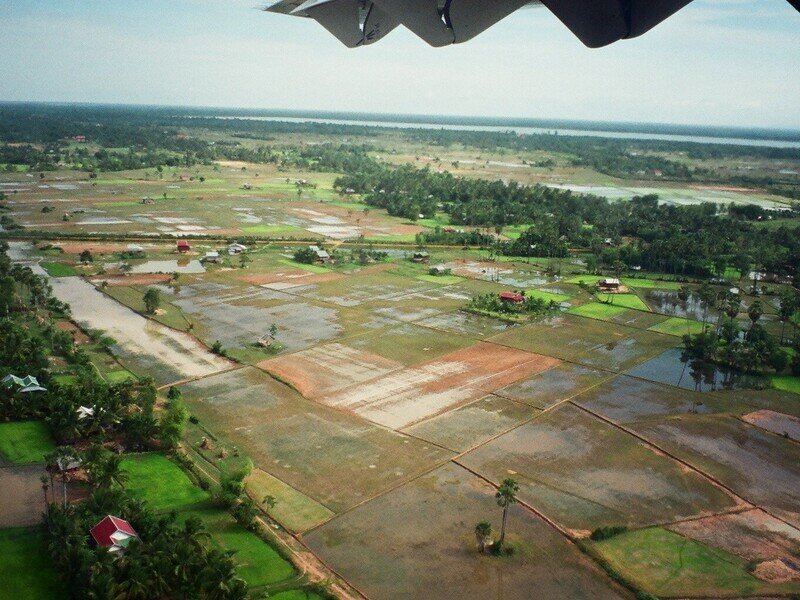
x: 699, y: 139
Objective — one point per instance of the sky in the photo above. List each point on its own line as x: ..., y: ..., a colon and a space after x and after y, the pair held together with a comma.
x: 716, y: 62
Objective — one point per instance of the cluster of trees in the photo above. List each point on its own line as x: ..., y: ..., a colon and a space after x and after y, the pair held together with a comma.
x: 169, y: 560
x: 454, y: 238
x: 492, y: 304
x: 748, y: 350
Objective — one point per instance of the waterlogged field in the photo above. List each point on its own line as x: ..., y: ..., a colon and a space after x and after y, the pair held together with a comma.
x: 382, y: 416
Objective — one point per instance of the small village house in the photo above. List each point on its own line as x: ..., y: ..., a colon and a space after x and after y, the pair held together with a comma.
x: 322, y: 255
x: 236, y: 248
x: 212, y: 257
x: 609, y: 284
x: 512, y: 297
x: 183, y: 246
x: 113, y: 533
x: 421, y: 257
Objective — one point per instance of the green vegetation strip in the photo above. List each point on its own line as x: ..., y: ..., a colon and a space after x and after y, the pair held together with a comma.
x: 664, y: 563
x: 55, y: 269
x: 678, y: 327
x: 293, y: 509
x: 597, y: 310
x: 26, y: 569
x: 650, y: 284
x: 627, y: 300
x: 160, y: 482
x: 787, y: 383
x: 547, y: 296
x: 25, y: 442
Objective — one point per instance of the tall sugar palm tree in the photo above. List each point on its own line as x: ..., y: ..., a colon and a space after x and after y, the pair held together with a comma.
x: 506, y: 496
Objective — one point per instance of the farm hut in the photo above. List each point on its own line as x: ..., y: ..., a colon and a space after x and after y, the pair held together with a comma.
x: 236, y: 248
x: 135, y: 249
x: 609, y: 285
x: 84, y: 412
x: 113, y: 533
x: 25, y: 384
x: 512, y: 297
x: 421, y: 257
x: 212, y: 257
x: 68, y: 465
x: 183, y: 246
x: 322, y: 255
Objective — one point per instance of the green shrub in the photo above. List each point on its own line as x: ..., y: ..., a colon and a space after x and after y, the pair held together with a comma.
x: 604, y: 533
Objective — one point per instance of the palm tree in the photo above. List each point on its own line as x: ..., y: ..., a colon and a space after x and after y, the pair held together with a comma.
x: 64, y: 455
x: 483, y: 533
x: 506, y: 496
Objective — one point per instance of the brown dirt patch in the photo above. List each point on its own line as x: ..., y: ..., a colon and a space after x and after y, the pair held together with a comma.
x: 779, y: 570
x: 77, y: 334
x: 413, y: 394
x: 751, y: 535
x: 722, y: 188
x: 775, y: 422
x: 142, y: 279
x: 23, y: 500
x: 328, y: 368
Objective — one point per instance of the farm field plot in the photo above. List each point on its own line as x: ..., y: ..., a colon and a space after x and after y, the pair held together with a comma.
x: 584, y: 473
x: 26, y: 570
x: 562, y: 336
x: 403, y: 397
x: 554, y: 385
x: 626, y: 399
x: 627, y: 300
x: 678, y: 326
x: 759, y: 466
x: 638, y: 318
x: 143, y: 345
x: 419, y: 305
x: 24, y: 442
x: 330, y: 456
x: 328, y: 368
x: 362, y: 289
x: 466, y: 324
x: 672, y: 368
x: 664, y: 563
x: 160, y: 482
x: 294, y: 510
x: 644, y: 283
x: 598, y: 310
x: 779, y: 423
x: 619, y: 355
x: 470, y: 425
x: 409, y: 344
x: 386, y: 547
x: 256, y: 561
x: 22, y: 499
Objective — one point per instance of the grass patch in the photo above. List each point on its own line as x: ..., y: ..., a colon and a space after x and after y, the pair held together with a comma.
x: 55, y: 269
x: 296, y: 595
x: 119, y: 376
x: 662, y: 562
x: 597, y: 310
x: 650, y: 284
x: 256, y: 561
x: 587, y: 279
x: 678, y: 326
x: 294, y: 510
x: 25, y: 442
x: 547, y: 296
x: 133, y: 297
x: 157, y: 480
x: 274, y: 230
x: 26, y: 570
x: 304, y: 266
x: 787, y: 383
x: 626, y: 300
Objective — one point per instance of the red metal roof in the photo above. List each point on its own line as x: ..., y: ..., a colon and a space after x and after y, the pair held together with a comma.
x: 183, y: 244
x: 103, y: 531
x: 512, y: 297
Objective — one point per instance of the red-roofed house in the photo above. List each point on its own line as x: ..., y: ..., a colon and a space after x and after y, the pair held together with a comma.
x: 113, y: 533
x: 512, y: 297
x: 183, y: 246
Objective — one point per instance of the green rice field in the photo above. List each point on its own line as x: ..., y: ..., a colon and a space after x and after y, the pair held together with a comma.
x: 25, y: 442
x: 160, y: 482
x: 26, y: 569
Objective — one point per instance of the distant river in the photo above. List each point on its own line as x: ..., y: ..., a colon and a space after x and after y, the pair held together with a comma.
x: 700, y: 139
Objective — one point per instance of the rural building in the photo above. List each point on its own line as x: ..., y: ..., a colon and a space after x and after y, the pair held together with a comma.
x: 212, y: 257
x: 135, y: 249
x: 421, y: 257
x: 68, y: 465
x: 81, y: 139
x: 183, y: 246
x: 609, y: 284
x: 236, y: 248
x: 84, y: 412
x: 512, y: 297
x: 113, y: 533
x: 247, y: 186
x: 322, y: 255
x: 25, y: 384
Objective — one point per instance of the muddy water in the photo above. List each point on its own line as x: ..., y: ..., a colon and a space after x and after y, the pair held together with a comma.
x: 668, y: 303
x: 146, y: 347
x: 673, y: 368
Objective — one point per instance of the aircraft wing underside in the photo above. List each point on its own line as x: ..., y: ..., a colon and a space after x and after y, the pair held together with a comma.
x: 443, y: 22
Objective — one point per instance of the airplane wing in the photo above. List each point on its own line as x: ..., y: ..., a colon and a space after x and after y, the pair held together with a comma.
x: 443, y: 22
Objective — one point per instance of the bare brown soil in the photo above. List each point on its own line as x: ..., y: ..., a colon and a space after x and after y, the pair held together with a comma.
x: 142, y: 279
x: 779, y: 570
x: 77, y: 334
x: 775, y: 422
x: 93, y: 247
x: 22, y: 495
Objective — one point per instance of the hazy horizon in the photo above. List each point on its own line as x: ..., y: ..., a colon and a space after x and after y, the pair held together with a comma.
x: 726, y: 63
